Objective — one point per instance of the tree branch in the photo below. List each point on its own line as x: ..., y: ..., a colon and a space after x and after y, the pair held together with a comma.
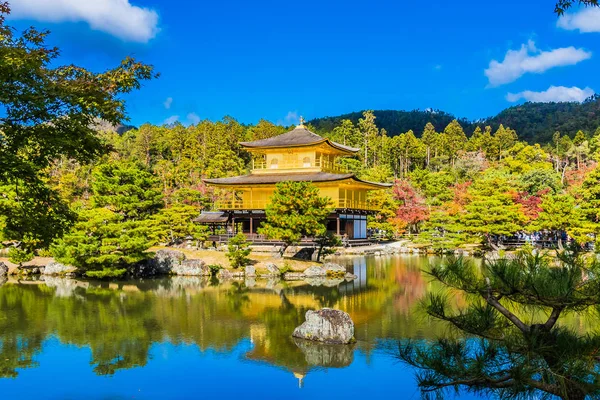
x: 553, y: 318
x: 491, y: 300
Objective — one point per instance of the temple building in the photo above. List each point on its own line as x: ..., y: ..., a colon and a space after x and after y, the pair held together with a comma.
x: 301, y: 156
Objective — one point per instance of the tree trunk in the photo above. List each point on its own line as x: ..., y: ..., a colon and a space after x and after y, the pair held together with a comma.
x: 282, y: 249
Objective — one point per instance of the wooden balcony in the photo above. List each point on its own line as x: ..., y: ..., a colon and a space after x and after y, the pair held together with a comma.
x: 322, y: 165
x: 228, y: 205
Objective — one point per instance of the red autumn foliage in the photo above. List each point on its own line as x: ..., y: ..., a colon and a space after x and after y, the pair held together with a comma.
x: 575, y: 177
x: 530, y: 202
x: 412, y: 209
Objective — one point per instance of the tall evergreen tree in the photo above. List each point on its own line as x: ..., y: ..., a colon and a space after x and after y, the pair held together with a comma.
x: 296, y: 210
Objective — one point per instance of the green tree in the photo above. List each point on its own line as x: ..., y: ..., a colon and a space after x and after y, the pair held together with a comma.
x: 453, y: 140
x: 369, y: 132
x: 514, y: 354
x: 492, y: 211
x: 563, y: 5
x: 238, y: 250
x: 505, y: 138
x: 430, y: 139
x: 103, y: 244
x: 326, y: 244
x: 537, y: 180
x: 174, y: 224
x: 347, y: 134
x: 116, y: 233
x: 296, y: 210
x: 559, y: 214
x: 51, y: 111
x: 127, y: 189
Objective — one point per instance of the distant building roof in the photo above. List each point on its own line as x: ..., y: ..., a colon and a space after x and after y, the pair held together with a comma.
x: 300, y: 136
x: 257, y: 179
x: 215, y: 217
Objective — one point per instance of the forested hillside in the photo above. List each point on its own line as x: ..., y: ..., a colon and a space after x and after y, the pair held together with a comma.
x: 395, y: 122
x: 535, y: 122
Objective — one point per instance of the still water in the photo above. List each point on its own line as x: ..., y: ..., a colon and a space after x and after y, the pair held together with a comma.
x: 187, y: 338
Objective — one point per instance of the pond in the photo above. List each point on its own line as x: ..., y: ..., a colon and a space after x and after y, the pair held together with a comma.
x: 195, y: 338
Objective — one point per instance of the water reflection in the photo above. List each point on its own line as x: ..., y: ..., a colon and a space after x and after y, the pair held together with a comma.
x: 120, y: 322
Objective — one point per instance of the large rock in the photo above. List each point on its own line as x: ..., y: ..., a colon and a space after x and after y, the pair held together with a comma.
x: 336, y: 270
x: 326, y: 326
x: 224, y: 275
x: 250, y: 271
x: 190, y: 268
x: 3, y: 280
x: 314, y: 271
x: 272, y: 270
x: 165, y: 260
x: 55, y: 269
x: 3, y: 269
x: 293, y: 276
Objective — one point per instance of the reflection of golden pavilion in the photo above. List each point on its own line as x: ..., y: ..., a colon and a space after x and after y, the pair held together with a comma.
x: 300, y: 156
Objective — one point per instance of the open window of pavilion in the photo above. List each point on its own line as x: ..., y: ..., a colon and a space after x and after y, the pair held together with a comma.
x: 300, y: 156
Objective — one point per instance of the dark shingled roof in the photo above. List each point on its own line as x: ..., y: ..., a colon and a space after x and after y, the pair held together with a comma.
x: 298, y: 137
x: 257, y: 179
x: 212, y: 217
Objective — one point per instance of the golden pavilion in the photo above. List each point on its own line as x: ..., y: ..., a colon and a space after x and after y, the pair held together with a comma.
x: 301, y: 156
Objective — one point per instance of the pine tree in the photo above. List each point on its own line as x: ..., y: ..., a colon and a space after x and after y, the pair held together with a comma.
x: 296, y: 210
x: 430, y: 139
x: 519, y: 350
x: 559, y: 214
x: 116, y: 233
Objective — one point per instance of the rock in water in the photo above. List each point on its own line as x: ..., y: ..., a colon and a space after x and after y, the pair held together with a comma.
x: 3, y: 269
x: 326, y: 326
x: 164, y: 261
x: 272, y: 270
x: 315, y: 271
x: 190, y: 268
x: 56, y: 268
x: 250, y: 271
x: 334, y: 270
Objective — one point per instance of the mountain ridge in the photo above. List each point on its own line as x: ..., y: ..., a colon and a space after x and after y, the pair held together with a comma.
x: 534, y: 122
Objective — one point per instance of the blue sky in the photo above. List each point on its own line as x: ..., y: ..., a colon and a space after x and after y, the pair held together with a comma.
x: 278, y: 60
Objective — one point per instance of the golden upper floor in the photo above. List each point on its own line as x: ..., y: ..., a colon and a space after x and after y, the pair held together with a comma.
x: 299, y: 150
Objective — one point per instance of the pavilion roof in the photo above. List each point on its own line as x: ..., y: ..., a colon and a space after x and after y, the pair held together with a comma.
x: 258, y: 179
x: 300, y: 136
x: 215, y: 217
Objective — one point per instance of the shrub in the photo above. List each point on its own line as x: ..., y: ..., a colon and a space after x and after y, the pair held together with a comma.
x: 238, y: 251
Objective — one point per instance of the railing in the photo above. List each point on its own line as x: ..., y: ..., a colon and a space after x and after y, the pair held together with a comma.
x: 262, y: 204
x: 356, y: 205
x: 242, y: 205
x: 324, y: 165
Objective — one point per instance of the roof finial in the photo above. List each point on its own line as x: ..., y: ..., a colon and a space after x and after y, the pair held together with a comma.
x: 301, y: 122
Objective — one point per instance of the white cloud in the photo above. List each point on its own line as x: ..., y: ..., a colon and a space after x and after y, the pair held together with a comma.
x: 171, y: 120
x: 291, y: 118
x: 168, y: 102
x: 117, y: 17
x: 528, y: 59
x: 553, y: 94
x: 586, y: 20
x: 193, y: 118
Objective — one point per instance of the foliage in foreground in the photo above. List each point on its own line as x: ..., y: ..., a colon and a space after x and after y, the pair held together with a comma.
x: 514, y: 346
x: 48, y: 112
